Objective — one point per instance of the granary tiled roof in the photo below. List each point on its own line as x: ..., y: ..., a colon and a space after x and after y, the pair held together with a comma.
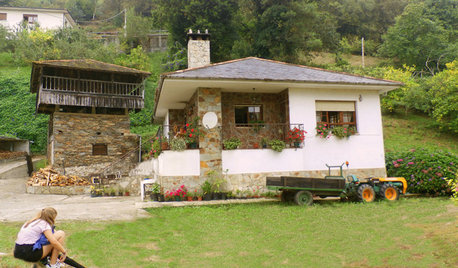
x: 88, y: 64
x: 252, y: 68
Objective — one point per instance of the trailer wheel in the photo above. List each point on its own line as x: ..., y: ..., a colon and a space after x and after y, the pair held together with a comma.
x: 389, y: 192
x: 287, y: 196
x: 366, y: 193
x: 303, y: 198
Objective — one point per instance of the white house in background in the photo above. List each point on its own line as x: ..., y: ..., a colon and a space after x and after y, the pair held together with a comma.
x: 46, y: 18
x: 253, y: 98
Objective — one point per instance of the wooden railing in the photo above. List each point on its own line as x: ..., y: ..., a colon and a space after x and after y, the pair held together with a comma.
x: 75, y: 85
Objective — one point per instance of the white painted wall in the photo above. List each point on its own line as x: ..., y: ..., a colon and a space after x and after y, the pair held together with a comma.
x: 46, y: 19
x: 173, y: 163
x: 262, y: 160
x: 363, y: 150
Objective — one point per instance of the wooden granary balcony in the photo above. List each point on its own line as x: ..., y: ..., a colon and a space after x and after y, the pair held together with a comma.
x: 92, y: 87
x: 77, y: 85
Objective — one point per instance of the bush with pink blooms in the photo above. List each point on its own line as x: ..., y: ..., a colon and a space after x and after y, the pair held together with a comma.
x: 426, y: 171
x: 177, y: 194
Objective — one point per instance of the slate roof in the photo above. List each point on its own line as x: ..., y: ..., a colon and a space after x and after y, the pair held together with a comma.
x: 252, y: 68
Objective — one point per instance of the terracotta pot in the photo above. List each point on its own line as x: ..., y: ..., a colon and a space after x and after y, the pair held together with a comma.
x: 256, y: 145
x: 199, y: 198
x: 164, y: 145
x: 189, y: 198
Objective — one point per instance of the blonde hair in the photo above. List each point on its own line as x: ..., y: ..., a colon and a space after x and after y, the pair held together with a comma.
x: 47, y: 214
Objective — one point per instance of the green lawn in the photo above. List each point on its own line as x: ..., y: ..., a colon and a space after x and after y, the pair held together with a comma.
x: 411, y: 232
x: 403, y: 132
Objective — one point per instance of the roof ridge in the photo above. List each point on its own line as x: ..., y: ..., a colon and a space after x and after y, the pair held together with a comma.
x: 278, y: 62
x: 326, y: 70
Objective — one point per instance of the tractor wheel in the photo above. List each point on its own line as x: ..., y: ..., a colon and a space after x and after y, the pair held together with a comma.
x: 389, y: 192
x: 366, y: 193
x: 287, y: 196
x: 303, y: 198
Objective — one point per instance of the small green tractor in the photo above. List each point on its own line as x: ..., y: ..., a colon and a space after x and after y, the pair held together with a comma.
x: 302, y: 189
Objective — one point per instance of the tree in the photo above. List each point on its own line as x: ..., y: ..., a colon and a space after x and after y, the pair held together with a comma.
x: 280, y: 29
x: 178, y: 16
x: 420, y: 38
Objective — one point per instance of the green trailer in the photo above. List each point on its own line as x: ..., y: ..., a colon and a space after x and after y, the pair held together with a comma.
x: 301, y: 190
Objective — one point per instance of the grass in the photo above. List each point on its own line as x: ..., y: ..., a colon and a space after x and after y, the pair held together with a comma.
x: 418, y: 232
x: 403, y: 132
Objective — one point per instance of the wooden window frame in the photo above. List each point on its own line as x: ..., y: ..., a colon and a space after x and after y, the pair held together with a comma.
x: 28, y: 16
x: 3, y: 16
x: 99, y: 149
x: 248, y: 124
x: 326, y: 115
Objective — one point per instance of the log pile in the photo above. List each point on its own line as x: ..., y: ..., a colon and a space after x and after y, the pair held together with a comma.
x: 10, y: 155
x: 49, y: 177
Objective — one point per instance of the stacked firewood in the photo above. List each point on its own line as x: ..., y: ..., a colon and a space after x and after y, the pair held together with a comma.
x: 49, y: 177
x: 9, y: 155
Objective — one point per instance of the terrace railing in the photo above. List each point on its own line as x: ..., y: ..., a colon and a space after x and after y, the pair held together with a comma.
x: 87, y: 86
x: 249, y: 134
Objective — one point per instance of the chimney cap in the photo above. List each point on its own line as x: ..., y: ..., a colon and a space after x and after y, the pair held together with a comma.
x: 198, y: 35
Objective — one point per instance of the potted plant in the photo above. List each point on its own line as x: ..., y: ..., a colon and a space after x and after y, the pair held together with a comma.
x: 323, y: 130
x: 206, y: 190
x: 155, y: 191
x: 343, y: 132
x: 232, y: 143
x: 164, y: 144
x: 177, y: 144
x: 256, y: 145
x: 277, y: 145
x: 264, y: 142
x: 127, y: 192
x: 192, y: 133
x: 296, y: 136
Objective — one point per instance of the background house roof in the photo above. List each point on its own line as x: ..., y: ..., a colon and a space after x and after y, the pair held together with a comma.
x: 268, y: 70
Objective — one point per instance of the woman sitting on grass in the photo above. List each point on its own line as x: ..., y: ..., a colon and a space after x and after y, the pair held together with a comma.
x: 37, y: 240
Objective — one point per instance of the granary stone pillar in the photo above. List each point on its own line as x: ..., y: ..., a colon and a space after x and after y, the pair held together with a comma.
x: 209, y: 100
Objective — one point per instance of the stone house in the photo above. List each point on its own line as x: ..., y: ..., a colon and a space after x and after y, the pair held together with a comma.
x: 46, y: 18
x: 88, y: 102
x: 255, y: 99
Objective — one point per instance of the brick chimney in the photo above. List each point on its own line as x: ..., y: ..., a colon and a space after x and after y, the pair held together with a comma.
x: 198, y: 49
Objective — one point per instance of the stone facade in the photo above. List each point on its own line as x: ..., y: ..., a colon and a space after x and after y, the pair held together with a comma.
x: 274, y: 114
x: 198, y: 53
x: 209, y: 100
x: 72, y: 137
x: 257, y: 181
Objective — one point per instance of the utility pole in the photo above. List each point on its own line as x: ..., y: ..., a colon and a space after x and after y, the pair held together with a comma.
x: 362, y: 50
x: 125, y: 22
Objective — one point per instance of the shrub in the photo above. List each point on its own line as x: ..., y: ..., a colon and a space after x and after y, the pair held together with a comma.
x: 343, y: 132
x: 426, y: 171
x: 177, y: 144
x: 277, y: 145
x: 232, y: 143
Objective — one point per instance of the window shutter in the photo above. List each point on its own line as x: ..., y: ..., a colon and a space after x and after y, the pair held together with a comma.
x: 99, y: 149
x: 335, y: 106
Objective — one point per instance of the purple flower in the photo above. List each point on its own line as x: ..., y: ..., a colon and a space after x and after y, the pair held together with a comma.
x: 451, y: 163
x: 429, y: 179
x: 412, y: 176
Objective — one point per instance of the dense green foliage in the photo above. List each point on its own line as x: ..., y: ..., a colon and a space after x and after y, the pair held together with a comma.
x: 17, y: 110
x: 426, y: 171
x: 178, y: 16
x: 425, y: 35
